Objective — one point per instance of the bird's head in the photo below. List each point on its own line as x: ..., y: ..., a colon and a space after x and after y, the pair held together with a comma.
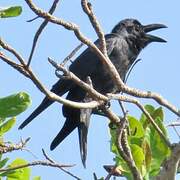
x: 136, y: 33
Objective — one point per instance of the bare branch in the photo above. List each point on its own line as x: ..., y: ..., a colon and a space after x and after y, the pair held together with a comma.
x: 39, y: 31
x: 13, y: 147
x: 71, y: 54
x: 111, y: 115
x: 16, y: 66
x: 41, y: 163
x: 169, y: 167
x: 13, y: 51
x: 87, y: 7
x: 33, y: 19
x: 64, y: 170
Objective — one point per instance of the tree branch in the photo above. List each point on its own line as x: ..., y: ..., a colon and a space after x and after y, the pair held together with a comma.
x: 39, y: 31
x: 13, y: 147
x: 49, y: 162
x: 87, y: 7
x: 169, y: 167
x: 128, y: 159
x: 141, y: 107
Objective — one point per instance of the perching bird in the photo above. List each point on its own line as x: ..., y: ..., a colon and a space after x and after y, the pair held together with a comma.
x: 123, y: 44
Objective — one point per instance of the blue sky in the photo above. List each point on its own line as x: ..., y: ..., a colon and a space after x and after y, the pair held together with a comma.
x: 158, y: 71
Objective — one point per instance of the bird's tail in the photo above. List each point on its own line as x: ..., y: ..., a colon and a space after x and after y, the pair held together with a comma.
x: 83, y: 132
x: 44, y: 104
x: 60, y: 88
x: 69, y: 126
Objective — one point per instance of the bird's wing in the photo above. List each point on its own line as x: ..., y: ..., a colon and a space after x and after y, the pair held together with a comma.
x: 83, y: 66
x: 86, y: 63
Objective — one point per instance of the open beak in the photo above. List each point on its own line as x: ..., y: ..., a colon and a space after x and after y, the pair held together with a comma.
x: 152, y: 27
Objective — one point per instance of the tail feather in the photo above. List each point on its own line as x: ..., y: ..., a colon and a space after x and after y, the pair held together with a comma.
x: 68, y: 127
x: 45, y: 103
x: 83, y: 132
x: 60, y: 88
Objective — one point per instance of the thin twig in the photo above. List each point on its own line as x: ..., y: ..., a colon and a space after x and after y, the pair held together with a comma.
x: 33, y: 19
x: 13, y: 147
x: 71, y: 54
x: 13, y: 51
x: 42, y: 163
x: 52, y: 161
x: 87, y: 7
x: 16, y: 66
x: 46, y: 156
x: 176, y: 131
x: 40, y: 29
x: 49, y: 162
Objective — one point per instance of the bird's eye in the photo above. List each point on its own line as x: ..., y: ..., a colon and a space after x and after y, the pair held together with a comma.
x: 137, y: 28
x: 129, y: 29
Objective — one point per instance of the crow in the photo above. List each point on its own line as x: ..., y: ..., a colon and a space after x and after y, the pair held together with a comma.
x: 123, y: 44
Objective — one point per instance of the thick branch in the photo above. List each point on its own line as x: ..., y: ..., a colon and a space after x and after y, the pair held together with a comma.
x: 169, y: 168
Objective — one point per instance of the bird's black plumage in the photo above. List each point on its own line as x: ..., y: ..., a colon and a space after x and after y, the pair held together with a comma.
x: 124, y: 44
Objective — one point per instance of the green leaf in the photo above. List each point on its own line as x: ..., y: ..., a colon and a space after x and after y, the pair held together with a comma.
x: 148, y: 154
x: 3, y: 162
x: 19, y: 174
x: 138, y: 156
x: 158, y: 113
x: 136, y: 128
x: 143, y: 118
x: 10, y: 11
x: 159, y: 122
x: 160, y: 150
x: 113, y: 133
x: 13, y: 105
x: 37, y: 178
x: 7, y: 125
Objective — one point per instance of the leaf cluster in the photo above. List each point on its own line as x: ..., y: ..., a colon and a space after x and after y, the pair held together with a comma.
x: 147, y: 148
x: 10, y: 107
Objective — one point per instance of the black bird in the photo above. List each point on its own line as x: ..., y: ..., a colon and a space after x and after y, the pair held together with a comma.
x: 124, y: 44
